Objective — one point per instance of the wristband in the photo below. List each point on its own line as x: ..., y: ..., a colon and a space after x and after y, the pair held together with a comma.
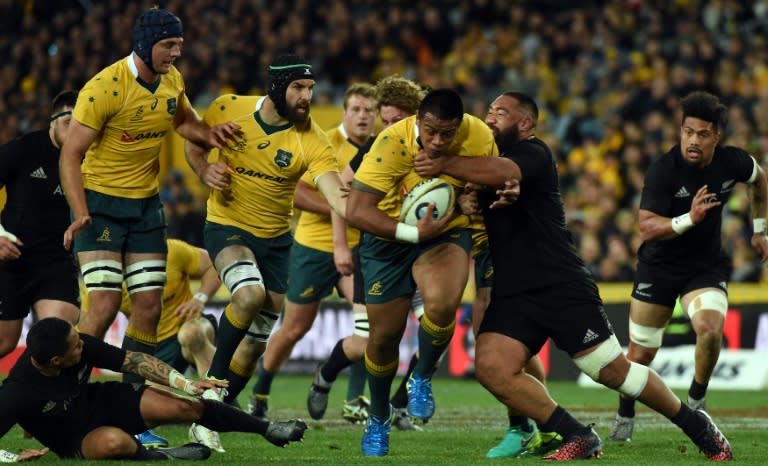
x: 176, y: 380
x: 759, y: 226
x: 8, y: 234
x: 682, y: 223
x: 8, y: 457
x: 200, y: 296
x: 407, y: 233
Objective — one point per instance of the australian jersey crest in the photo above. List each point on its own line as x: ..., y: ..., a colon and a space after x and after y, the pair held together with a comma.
x: 283, y: 158
x: 172, y: 105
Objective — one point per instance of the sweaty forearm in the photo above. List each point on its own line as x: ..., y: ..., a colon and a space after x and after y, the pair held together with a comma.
x: 72, y: 184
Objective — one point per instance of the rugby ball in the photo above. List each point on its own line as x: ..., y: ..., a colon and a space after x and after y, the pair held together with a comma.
x: 431, y: 190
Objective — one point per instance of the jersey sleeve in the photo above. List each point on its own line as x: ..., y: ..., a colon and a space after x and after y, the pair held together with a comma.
x: 9, y: 160
x: 387, y: 163
x: 101, y: 354
x: 9, y: 406
x: 321, y: 157
x: 98, y: 101
x: 655, y: 197
x: 743, y: 165
x: 532, y: 165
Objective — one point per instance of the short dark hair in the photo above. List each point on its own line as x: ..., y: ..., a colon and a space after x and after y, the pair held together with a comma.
x: 63, y: 99
x: 445, y: 104
x: 705, y: 106
x: 48, y: 338
x: 526, y: 102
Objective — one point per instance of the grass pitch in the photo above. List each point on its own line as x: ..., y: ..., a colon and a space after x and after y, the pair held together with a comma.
x: 468, y: 422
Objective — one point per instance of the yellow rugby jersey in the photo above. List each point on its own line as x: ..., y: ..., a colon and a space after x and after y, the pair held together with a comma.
x: 388, y: 167
x: 183, y: 262
x: 265, y: 164
x: 315, y: 230
x: 231, y: 105
x: 132, y: 118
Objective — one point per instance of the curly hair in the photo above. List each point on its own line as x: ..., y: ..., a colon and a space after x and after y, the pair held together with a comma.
x: 399, y: 92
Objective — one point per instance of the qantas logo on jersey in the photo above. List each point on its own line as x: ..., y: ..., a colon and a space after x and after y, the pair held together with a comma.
x: 263, y: 176
x: 148, y: 135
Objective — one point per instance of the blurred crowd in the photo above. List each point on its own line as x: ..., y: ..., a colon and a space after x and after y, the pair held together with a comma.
x: 607, y: 74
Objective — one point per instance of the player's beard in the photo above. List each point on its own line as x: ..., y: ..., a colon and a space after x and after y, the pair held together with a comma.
x: 293, y: 115
x: 507, y: 139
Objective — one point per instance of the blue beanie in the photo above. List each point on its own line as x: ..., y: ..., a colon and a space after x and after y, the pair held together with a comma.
x: 151, y: 27
x: 282, y: 72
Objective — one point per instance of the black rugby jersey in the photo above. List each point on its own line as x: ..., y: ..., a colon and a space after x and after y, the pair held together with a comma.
x: 670, y: 185
x: 36, y: 210
x: 34, y: 400
x: 529, y: 243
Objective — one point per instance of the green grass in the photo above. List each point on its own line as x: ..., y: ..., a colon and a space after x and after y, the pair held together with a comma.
x: 468, y: 422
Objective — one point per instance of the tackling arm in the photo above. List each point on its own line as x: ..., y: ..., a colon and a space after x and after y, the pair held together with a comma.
x: 489, y: 171
x: 759, y: 206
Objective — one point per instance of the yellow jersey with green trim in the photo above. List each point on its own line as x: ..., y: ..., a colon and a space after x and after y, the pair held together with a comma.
x: 132, y: 118
x: 315, y: 230
x: 183, y: 261
x: 265, y: 164
x: 388, y: 166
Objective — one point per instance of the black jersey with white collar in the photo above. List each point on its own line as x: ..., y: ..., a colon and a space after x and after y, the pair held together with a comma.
x: 670, y: 185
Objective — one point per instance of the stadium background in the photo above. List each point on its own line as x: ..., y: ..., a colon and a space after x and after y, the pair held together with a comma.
x: 608, y: 75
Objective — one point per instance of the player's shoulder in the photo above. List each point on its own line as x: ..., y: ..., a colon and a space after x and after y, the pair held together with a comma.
x: 116, y: 74
x: 315, y: 131
x: 731, y: 151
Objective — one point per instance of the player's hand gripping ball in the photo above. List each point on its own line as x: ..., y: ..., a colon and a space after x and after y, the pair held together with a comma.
x: 435, y: 190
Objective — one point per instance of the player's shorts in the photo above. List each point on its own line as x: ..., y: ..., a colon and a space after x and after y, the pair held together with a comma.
x: 358, y: 283
x: 312, y: 274
x: 123, y: 225
x: 102, y: 404
x: 24, y: 282
x: 660, y: 285
x: 483, y: 269
x: 570, y: 313
x: 271, y: 253
x: 387, y: 265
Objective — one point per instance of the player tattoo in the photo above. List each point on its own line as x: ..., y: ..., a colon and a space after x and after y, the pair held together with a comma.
x: 146, y: 366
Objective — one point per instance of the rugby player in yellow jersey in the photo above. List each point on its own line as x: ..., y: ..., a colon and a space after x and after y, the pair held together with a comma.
x: 319, y: 260
x: 396, y: 258
x: 396, y: 98
x: 184, y: 335
x: 247, y: 232
x: 119, y: 122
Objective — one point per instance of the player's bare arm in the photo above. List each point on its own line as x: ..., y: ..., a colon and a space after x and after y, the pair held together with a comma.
x: 214, y: 175
x: 9, y: 244
x: 155, y: 370
x: 489, y: 171
x: 654, y: 227
x: 508, y: 194
x: 209, y: 285
x: 759, y: 206
x: 72, y: 153
x: 306, y: 198
x: 363, y: 213
x: 330, y: 185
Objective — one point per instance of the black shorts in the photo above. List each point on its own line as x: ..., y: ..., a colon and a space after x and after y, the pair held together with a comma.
x: 113, y: 404
x: 570, y: 313
x: 24, y: 282
x: 659, y: 285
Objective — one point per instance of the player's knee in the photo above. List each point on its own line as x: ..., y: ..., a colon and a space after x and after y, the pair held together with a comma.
x: 601, y: 356
x: 249, y: 300
x: 191, y: 334
x: 145, y: 275
x: 102, y: 275
x: 7, y: 345
x: 242, y: 275
x: 645, y: 336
